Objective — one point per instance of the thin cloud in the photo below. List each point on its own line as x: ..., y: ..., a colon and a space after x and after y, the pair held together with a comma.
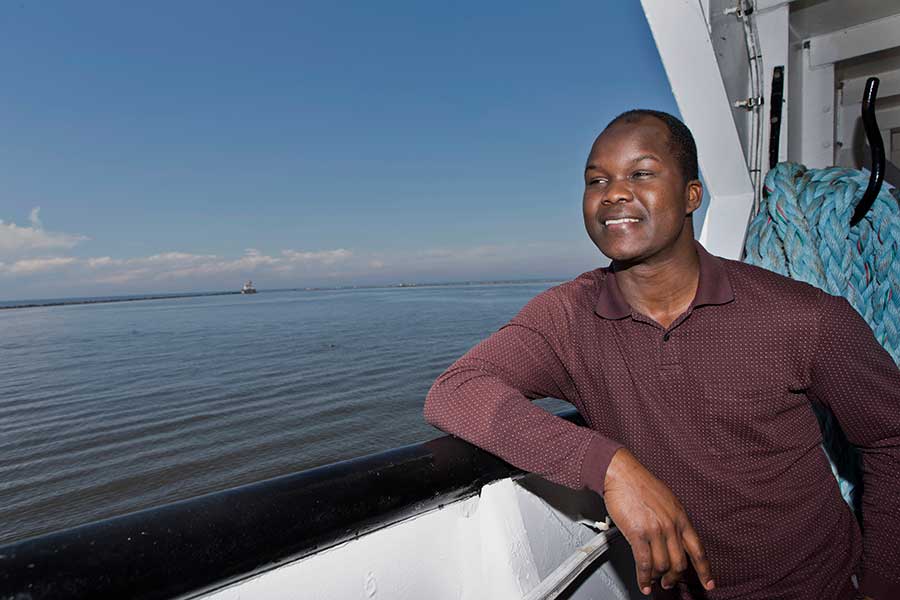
x: 325, y: 257
x: 30, y: 266
x: 169, y: 266
x: 18, y: 240
x: 34, y: 217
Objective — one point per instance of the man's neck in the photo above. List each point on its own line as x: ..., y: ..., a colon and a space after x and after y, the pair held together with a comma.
x: 663, y: 288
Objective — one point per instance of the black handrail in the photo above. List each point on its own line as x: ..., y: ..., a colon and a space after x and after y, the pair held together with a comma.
x: 207, y: 542
x: 873, y: 135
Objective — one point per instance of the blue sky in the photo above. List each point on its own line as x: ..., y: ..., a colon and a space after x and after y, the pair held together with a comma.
x: 175, y: 146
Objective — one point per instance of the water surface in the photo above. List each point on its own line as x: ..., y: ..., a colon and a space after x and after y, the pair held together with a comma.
x: 110, y: 408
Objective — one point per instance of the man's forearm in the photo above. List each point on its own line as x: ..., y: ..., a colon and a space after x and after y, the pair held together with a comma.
x: 486, y: 411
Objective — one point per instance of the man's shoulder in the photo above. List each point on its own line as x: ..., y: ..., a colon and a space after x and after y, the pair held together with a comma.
x: 566, y: 301
x: 578, y: 292
x: 763, y: 288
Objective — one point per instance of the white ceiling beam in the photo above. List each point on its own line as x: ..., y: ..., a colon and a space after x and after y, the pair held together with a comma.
x: 858, y: 40
x: 762, y: 5
x: 888, y: 85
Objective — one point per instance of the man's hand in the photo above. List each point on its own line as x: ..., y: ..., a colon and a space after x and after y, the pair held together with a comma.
x: 655, y: 524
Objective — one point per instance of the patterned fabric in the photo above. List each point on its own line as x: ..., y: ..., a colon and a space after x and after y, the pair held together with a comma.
x: 718, y: 406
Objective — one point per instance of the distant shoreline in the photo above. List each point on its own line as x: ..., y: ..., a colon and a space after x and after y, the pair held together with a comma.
x: 73, y: 302
x: 16, y: 304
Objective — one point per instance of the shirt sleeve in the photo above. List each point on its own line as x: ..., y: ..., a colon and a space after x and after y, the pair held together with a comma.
x: 857, y: 379
x: 485, y: 399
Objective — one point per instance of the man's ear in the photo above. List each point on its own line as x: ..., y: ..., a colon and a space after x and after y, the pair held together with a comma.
x: 694, y: 193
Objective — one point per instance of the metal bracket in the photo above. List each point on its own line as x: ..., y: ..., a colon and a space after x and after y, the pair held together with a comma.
x: 749, y: 103
x: 741, y: 9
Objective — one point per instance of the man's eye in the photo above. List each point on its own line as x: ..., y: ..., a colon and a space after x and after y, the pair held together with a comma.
x: 597, y: 181
x: 642, y: 174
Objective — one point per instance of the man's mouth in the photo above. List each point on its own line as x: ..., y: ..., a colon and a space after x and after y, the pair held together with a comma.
x: 620, y: 221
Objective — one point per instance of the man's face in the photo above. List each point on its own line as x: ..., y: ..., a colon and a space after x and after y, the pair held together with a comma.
x: 635, y: 198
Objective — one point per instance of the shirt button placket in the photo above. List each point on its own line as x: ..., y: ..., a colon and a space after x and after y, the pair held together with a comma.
x: 668, y: 350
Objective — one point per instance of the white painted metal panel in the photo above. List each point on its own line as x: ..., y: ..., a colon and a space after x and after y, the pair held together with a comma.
x: 816, y: 96
x: 815, y: 17
x: 888, y: 119
x: 730, y: 50
x: 764, y: 5
x: 795, y: 99
x: 865, y: 38
x: 888, y: 85
x: 852, y: 137
x: 774, y: 36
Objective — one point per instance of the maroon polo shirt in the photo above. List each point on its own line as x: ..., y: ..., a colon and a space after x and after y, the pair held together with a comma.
x: 718, y: 406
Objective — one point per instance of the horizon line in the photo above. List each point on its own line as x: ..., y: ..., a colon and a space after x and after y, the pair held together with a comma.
x: 82, y: 300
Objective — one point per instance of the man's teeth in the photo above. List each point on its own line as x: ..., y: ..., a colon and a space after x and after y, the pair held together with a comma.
x: 618, y: 221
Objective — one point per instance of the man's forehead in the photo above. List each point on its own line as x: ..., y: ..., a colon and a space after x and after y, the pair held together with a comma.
x: 646, y: 132
x: 635, y: 126
x: 631, y: 159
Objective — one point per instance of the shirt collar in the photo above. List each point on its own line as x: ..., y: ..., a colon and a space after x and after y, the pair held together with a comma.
x: 714, y: 287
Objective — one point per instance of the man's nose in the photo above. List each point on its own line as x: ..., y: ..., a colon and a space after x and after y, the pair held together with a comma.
x: 618, y: 192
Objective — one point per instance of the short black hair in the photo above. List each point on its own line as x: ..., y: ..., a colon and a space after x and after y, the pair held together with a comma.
x: 681, y: 140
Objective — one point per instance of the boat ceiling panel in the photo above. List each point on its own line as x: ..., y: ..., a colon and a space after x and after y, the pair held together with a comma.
x: 880, y: 64
x: 817, y: 17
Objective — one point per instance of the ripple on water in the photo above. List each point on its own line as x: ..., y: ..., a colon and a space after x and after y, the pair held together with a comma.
x: 107, y: 409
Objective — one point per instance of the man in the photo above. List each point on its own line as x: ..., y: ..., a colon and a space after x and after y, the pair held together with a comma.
x: 695, y: 375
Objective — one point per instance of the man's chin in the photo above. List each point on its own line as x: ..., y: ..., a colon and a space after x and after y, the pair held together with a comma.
x: 619, y: 254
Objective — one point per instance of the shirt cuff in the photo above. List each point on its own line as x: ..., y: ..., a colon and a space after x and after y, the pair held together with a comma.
x: 875, y: 585
x: 596, y: 460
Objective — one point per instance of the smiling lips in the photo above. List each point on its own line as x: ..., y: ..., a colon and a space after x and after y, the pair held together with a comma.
x: 620, y: 221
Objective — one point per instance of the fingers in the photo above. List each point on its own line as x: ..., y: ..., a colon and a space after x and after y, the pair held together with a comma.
x: 643, y: 562
x: 677, y: 561
x: 698, y: 556
x: 660, y: 552
x: 655, y: 524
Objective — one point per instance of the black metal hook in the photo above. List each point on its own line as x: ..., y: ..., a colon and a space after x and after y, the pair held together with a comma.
x: 876, y: 144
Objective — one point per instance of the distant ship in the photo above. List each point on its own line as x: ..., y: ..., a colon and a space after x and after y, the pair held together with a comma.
x: 248, y: 288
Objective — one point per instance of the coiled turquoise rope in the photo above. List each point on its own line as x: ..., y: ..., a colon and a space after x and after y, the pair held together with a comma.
x: 803, y: 231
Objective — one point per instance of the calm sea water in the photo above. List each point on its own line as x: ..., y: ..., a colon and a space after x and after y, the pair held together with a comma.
x: 110, y: 408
